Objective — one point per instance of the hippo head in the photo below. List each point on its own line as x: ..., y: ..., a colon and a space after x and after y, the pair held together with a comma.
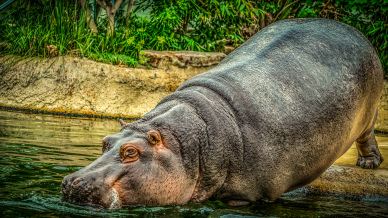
x: 139, y: 166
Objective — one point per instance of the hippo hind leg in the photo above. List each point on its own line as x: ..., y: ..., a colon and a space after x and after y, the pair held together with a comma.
x: 369, y: 156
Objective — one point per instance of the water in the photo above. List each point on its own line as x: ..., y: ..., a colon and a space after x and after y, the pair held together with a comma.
x: 37, y: 151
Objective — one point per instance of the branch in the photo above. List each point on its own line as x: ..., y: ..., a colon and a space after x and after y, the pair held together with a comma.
x: 131, y: 3
x: 284, y: 8
x: 107, y: 5
x: 117, y: 5
x: 102, y: 3
x: 82, y: 2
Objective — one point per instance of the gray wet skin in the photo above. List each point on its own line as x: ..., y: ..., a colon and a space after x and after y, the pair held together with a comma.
x: 271, y: 117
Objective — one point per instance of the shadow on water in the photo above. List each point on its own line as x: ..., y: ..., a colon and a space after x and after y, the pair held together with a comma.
x: 37, y: 151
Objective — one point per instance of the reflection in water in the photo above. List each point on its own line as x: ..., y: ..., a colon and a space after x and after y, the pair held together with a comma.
x: 37, y: 151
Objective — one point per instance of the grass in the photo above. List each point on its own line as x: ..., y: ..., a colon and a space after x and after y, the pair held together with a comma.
x: 61, y: 31
x: 49, y: 28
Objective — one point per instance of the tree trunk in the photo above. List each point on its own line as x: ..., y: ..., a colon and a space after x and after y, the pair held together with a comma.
x: 111, y: 22
x: 89, y: 18
x: 111, y: 10
x: 131, y: 3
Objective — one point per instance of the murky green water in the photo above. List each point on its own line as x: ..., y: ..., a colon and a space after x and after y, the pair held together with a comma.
x: 37, y: 151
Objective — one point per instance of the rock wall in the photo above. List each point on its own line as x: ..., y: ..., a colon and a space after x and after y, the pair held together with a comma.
x: 72, y: 85
x: 78, y: 86
x: 382, y: 118
x: 351, y: 182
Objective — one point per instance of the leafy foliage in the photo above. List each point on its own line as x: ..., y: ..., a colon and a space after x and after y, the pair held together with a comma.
x: 49, y: 28
x: 368, y: 16
x: 371, y: 18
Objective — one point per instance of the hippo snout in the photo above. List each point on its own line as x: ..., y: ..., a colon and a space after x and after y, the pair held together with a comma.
x: 70, y: 184
x: 89, y: 188
x: 79, y: 190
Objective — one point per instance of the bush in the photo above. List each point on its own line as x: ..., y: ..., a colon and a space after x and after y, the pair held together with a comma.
x: 368, y: 16
x: 47, y: 28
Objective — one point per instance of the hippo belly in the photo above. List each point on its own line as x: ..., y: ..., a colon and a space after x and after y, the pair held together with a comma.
x: 271, y: 117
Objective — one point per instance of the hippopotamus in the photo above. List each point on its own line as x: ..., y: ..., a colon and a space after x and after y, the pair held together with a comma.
x: 271, y: 117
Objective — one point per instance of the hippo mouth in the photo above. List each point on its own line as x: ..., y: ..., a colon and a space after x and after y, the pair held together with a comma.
x: 112, y: 201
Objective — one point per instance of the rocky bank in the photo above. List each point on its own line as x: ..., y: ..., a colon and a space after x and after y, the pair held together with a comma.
x: 78, y: 86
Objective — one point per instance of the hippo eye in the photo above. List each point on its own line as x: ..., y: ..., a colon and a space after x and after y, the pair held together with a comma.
x: 129, y: 154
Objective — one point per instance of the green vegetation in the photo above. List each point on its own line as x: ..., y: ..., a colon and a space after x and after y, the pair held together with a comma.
x: 50, y: 28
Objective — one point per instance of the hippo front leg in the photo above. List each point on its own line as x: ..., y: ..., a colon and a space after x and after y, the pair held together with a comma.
x: 369, y: 156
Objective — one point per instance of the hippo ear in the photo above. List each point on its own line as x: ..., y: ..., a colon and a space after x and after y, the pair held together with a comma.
x: 154, y: 137
x: 122, y: 123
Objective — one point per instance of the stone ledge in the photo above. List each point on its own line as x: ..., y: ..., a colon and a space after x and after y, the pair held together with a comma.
x: 350, y: 181
x: 182, y: 59
x: 382, y: 118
